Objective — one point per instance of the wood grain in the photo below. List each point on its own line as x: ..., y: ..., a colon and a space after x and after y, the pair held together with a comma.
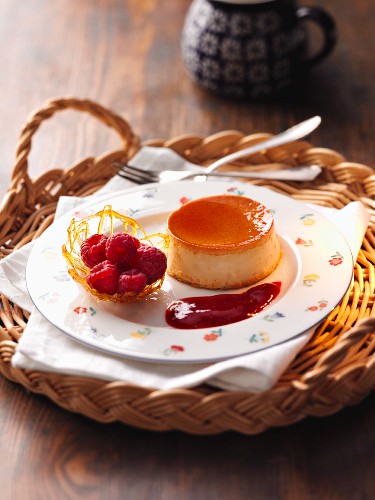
x: 125, y: 54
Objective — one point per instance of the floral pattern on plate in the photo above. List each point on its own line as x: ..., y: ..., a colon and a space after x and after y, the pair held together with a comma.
x: 315, y: 255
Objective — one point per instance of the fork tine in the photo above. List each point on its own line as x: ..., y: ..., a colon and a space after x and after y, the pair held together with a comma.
x: 135, y: 174
x: 129, y: 177
x: 138, y: 169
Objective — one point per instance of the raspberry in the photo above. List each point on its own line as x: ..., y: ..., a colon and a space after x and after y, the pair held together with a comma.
x: 137, y: 242
x: 123, y: 268
x: 152, y: 262
x: 121, y: 249
x: 93, y: 249
x: 131, y: 281
x: 104, y: 277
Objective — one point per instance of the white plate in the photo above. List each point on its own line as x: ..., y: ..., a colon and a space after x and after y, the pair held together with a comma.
x: 315, y: 271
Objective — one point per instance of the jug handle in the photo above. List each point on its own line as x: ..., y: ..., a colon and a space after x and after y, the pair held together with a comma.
x: 328, y: 27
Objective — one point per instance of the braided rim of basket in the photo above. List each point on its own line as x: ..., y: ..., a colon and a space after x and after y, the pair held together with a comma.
x: 337, y: 366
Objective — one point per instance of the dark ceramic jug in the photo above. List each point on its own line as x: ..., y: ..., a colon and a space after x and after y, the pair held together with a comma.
x: 252, y: 49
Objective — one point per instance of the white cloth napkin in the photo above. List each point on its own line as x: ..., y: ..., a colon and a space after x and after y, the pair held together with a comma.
x: 46, y: 348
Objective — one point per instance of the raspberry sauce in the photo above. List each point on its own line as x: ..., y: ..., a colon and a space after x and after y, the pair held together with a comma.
x: 221, y: 309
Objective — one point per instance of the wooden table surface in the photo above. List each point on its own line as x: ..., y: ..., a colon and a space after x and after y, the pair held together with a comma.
x: 125, y: 54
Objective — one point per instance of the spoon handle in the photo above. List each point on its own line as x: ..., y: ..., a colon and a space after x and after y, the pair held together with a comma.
x: 291, y: 134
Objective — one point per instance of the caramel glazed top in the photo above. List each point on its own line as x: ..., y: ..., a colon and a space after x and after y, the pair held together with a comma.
x: 221, y: 221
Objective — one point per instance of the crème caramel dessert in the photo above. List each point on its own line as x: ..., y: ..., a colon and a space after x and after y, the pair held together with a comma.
x: 222, y: 242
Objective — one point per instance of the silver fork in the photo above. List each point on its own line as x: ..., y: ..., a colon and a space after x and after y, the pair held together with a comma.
x: 141, y: 176
x: 294, y: 133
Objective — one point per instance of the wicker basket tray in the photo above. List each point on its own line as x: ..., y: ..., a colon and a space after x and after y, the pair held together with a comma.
x: 336, y: 368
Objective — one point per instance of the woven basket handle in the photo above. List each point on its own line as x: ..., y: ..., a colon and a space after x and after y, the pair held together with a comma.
x: 33, y: 123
